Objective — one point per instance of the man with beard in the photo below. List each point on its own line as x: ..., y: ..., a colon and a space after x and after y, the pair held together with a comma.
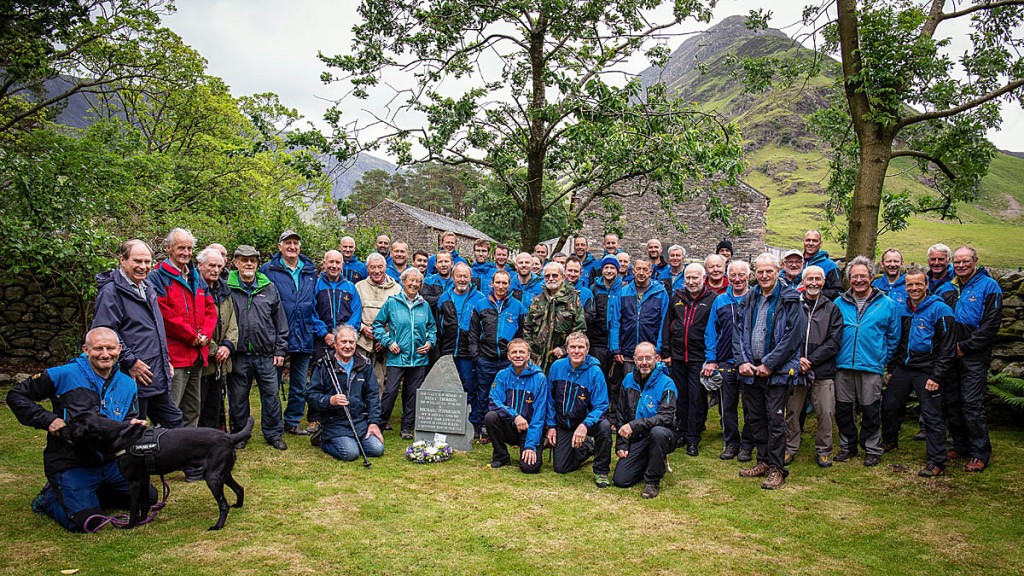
x: 645, y: 441
x: 577, y: 427
x: 554, y: 314
x: 684, y: 351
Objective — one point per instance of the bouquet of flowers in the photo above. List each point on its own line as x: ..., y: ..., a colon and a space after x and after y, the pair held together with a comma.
x: 423, y: 452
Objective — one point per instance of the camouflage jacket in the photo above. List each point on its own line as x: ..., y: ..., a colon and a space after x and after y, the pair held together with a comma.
x: 550, y: 319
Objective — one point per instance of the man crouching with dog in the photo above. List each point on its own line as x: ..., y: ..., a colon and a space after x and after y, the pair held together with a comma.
x: 344, y: 382
x: 81, y: 482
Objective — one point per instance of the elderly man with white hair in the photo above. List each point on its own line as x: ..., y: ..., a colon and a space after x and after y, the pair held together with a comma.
x: 554, y: 314
x: 686, y: 321
x: 767, y: 351
x: 716, y: 281
x: 190, y: 318
x: 373, y: 292
x: 223, y: 341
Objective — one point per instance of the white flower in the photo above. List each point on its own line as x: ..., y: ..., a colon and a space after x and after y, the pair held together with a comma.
x: 432, y: 450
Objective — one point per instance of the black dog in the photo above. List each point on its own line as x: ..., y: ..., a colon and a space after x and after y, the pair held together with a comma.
x: 173, y: 449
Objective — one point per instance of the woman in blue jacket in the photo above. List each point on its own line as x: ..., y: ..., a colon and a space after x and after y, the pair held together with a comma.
x: 405, y: 327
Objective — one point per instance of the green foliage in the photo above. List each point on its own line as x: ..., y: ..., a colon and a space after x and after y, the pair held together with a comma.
x: 546, y: 106
x: 899, y: 93
x: 497, y: 214
x: 366, y: 235
x: 1008, y: 389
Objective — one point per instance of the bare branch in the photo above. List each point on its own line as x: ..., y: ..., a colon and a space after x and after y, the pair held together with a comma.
x: 916, y: 154
x: 937, y: 114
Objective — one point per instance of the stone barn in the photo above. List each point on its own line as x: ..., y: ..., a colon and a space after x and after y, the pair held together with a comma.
x: 644, y: 217
x: 420, y: 228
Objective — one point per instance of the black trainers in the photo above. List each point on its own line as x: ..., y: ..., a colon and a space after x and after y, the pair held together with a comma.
x: 845, y: 455
x: 498, y: 464
x: 691, y: 450
x: 650, y: 491
x: 278, y: 444
x: 871, y: 460
x: 745, y: 455
x: 728, y: 453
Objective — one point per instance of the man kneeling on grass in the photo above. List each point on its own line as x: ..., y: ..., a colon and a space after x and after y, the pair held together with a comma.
x: 356, y: 389
x: 645, y: 442
x: 518, y: 409
x: 577, y: 428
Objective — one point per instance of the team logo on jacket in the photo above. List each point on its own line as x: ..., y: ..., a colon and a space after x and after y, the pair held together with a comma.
x: 650, y: 403
x: 344, y: 297
x: 582, y: 396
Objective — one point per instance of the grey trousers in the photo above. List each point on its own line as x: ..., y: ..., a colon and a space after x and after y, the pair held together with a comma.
x: 185, y: 393
x: 857, y: 387
x: 823, y: 397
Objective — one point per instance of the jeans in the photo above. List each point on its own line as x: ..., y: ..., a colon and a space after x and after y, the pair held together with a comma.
x: 261, y: 368
x: 298, y: 376
x: 185, y: 393
x: 346, y: 449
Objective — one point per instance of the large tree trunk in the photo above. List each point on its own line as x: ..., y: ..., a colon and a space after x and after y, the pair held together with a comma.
x: 536, y: 148
x: 875, y: 154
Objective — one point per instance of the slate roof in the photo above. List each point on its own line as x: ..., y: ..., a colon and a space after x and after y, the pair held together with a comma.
x: 437, y: 221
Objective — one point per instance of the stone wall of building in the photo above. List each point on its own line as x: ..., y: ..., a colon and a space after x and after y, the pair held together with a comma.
x: 408, y: 229
x: 644, y: 217
x: 42, y: 321
x: 1008, y: 355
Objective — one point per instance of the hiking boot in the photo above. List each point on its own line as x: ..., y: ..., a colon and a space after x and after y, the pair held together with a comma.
x: 788, y: 458
x: 277, y: 444
x: 728, y: 453
x: 312, y: 427
x: 385, y: 427
x: 824, y: 460
x: 498, y: 464
x: 316, y: 438
x: 406, y: 435
x: 759, y: 469
x: 745, y: 455
x: 195, y: 474
x: 650, y: 491
x: 42, y: 501
x: 296, y: 430
x: 601, y: 480
x: 920, y: 436
x: 932, y: 471
x: 974, y: 465
x: 889, y: 447
x: 872, y: 460
x: 691, y: 450
x: 589, y: 447
x: 954, y: 455
x: 845, y: 455
x: 774, y: 481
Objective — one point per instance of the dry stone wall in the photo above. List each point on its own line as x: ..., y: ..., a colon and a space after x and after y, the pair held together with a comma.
x: 42, y: 321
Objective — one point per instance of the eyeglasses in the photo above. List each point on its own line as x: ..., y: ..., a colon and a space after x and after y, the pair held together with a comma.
x: 553, y: 275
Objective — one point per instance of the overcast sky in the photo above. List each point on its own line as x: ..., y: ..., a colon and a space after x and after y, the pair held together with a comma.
x: 271, y: 46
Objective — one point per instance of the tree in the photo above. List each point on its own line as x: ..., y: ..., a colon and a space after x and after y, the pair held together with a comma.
x: 899, y: 94
x: 541, y: 97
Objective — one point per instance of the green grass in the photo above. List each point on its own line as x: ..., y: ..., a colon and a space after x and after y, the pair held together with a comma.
x: 308, y: 514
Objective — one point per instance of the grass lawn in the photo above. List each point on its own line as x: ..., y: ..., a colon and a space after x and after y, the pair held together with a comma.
x: 308, y: 514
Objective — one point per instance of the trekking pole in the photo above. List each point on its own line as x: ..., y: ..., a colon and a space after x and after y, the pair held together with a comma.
x: 329, y: 365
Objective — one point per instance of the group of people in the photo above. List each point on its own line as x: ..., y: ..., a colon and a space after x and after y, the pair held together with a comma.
x: 561, y: 352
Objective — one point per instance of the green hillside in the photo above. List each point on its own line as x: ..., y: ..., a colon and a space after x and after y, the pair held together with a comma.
x: 787, y: 163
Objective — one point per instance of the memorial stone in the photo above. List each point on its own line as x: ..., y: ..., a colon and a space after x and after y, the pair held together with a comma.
x: 442, y: 411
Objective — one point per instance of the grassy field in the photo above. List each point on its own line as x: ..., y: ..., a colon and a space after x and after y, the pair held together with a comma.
x: 307, y: 514
x: 994, y: 224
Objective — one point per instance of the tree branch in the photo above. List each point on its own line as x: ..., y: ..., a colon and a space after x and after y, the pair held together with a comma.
x: 938, y: 114
x: 916, y: 154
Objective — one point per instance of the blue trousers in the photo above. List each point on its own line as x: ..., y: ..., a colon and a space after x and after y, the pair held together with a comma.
x: 72, y: 496
x: 466, y: 368
x: 297, y: 379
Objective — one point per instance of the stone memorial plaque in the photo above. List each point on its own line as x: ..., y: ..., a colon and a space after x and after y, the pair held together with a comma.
x: 442, y: 409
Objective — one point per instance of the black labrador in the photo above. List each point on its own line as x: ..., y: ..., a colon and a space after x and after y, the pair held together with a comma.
x: 172, y: 449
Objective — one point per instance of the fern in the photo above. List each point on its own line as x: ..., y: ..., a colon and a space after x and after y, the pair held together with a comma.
x: 1008, y: 389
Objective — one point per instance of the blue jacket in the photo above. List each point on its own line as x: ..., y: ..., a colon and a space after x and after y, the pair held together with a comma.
x: 642, y: 318
x: 587, y: 269
x: 978, y: 311
x: 433, y: 287
x: 786, y: 328
x: 72, y: 389
x: 453, y: 319
x: 139, y: 324
x: 672, y: 284
x: 482, y: 274
x: 335, y: 302
x: 927, y: 341
x: 871, y: 337
x: 725, y: 316
x: 604, y: 332
x: 525, y: 395
x: 432, y: 260
x: 833, y: 282
x: 653, y: 405
x: 354, y: 270
x: 578, y: 395
x: 492, y: 325
x: 410, y: 324
x: 361, y: 389
x: 526, y: 293
x: 897, y: 290
x: 297, y: 302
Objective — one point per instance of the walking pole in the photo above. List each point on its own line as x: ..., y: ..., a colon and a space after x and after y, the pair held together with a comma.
x: 337, y: 388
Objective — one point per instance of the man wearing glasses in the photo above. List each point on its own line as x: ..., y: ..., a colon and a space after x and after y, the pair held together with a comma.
x: 554, y: 314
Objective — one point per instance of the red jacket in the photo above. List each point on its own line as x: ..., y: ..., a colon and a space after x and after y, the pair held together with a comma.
x: 187, y: 311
